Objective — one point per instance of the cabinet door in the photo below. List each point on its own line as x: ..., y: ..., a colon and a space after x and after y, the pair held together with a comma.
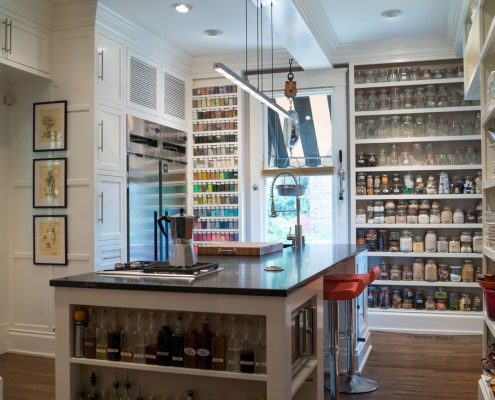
x: 110, y: 70
x: 108, y: 255
x: 110, y: 208
x: 110, y: 139
x: 142, y: 84
x: 27, y: 46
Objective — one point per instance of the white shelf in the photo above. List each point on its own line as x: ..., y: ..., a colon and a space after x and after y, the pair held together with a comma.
x: 170, y: 370
x: 214, y: 108
x: 214, y: 205
x: 423, y: 255
x: 426, y: 284
x: 222, y: 132
x: 216, y: 230
x: 488, y: 113
x: 484, y: 388
x: 407, y: 168
x: 415, y: 139
x: 212, y: 193
x: 421, y: 226
x: 215, y: 180
x: 421, y: 82
x: 416, y: 111
x: 215, y: 169
x: 231, y: 119
x: 218, y: 156
x: 489, y: 323
x: 217, y: 144
x: 477, y: 314
x: 174, y: 195
x: 302, y: 375
x: 489, y: 184
x: 473, y: 87
x: 420, y: 196
x: 201, y: 96
x: 489, y: 44
x: 208, y: 218
x: 490, y: 253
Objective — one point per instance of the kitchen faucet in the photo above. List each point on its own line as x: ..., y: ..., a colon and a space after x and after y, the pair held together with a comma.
x: 297, y: 237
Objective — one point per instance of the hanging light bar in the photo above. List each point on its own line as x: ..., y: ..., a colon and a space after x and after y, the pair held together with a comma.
x: 246, y: 86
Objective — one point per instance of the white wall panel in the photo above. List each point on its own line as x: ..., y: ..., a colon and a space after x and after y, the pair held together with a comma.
x: 80, y: 222
x: 79, y: 147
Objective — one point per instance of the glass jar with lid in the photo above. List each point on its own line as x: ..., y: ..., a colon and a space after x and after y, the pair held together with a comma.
x: 372, y: 100
x: 431, y: 125
x: 371, y: 159
x: 395, y: 126
x: 420, y: 97
x: 430, y: 303
x: 396, y: 299
x: 424, y: 205
x: 453, y: 301
x: 431, y: 271
x: 446, y: 215
x: 408, y: 98
x: 408, y: 186
x: 466, y: 247
x: 379, y: 218
x: 393, y: 241
x: 395, y: 98
x: 382, y: 158
x: 431, y: 184
x: 467, y: 271
x: 382, y: 75
x: 454, y: 244
x: 385, y: 298
x: 458, y: 216
x: 378, y: 206
x: 466, y: 237
x: 383, y: 127
x: 393, y: 75
x: 412, y: 216
x: 465, y: 303
x: 384, y: 271
x: 455, y: 273
x: 390, y: 216
x: 423, y: 217
x: 406, y: 239
x: 419, y: 300
x: 401, y: 217
x: 417, y: 154
x: 418, y: 270
x: 360, y: 238
x: 430, y: 241
x: 360, y: 216
x: 407, y: 272
x: 443, y: 272
x: 370, y: 128
x: 418, y: 244
x: 414, y: 73
x: 431, y: 96
x: 478, y: 242
x: 389, y: 205
x: 442, y: 245
x: 406, y: 158
x: 470, y: 216
x: 404, y: 74
x: 384, y: 99
x: 407, y: 126
x: 435, y: 205
x: 434, y: 216
x: 476, y: 306
x: 442, y: 96
x: 395, y: 272
x: 360, y: 160
x: 413, y: 205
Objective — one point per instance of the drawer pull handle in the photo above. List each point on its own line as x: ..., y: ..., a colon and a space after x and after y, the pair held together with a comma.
x: 227, y: 251
x: 101, y: 207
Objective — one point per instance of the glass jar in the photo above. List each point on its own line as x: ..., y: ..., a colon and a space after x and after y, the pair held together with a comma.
x: 407, y: 272
x: 441, y: 305
x: 417, y: 154
x: 455, y: 273
x: 454, y: 244
x: 389, y: 205
x: 412, y: 216
x: 395, y: 99
x: 396, y: 299
x: 408, y: 98
x: 423, y: 217
x: 407, y: 126
x: 435, y: 205
x: 470, y: 217
x: 395, y: 125
x: 458, y: 216
x: 379, y: 218
x: 393, y: 241
x: 419, y: 301
x: 360, y: 160
x: 466, y: 247
x: 431, y: 185
x: 419, y: 185
x: 407, y: 298
x: 430, y: 303
x: 385, y: 298
x: 360, y: 216
x: 378, y: 206
x: 442, y: 245
x: 382, y: 239
x: 431, y: 241
x: 424, y: 205
x: 372, y: 100
x: 467, y: 127
x: 420, y: 98
x: 478, y: 242
x: 406, y: 241
x: 431, y: 125
x: 406, y: 158
x: 370, y: 129
x: 384, y: 271
x: 393, y: 75
x: 371, y: 160
x: 418, y: 244
x: 382, y: 75
x: 414, y: 73
x: 465, y: 302
x: 453, y: 301
x: 442, y: 97
x: 390, y: 216
x: 418, y: 270
x: 446, y: 215
x: 360, y: 238
x: 476, y: 306
x: 413, y: 205
x: 395, y: 272
x: 431, y: 96
x: 370, y: 76
x: 466, y: 237
x: 383, y: 127
x: 408, y: 186
x: 467, y: 271
x: 434, y: 216
x: 401, y: 217
x: 443, y: 272
x: 404, y: 74
x: 431, y: 272
x: 384, y: 99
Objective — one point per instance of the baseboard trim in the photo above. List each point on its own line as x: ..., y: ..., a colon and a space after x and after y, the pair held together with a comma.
x: 4, y: 337
x: 32, y: 343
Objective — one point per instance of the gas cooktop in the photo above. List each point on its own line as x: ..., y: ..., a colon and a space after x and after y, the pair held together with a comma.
x: 160, y: 270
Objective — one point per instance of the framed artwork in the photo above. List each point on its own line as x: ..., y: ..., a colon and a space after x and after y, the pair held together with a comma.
x: 50, y: 182
x: 50, y: 239
x: 50, y: 126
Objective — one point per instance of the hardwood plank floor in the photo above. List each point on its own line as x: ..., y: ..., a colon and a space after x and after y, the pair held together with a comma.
x: 406, y: 366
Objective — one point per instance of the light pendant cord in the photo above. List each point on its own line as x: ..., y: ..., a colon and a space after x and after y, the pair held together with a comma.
x: 261, y: 41
x: 258, y: 42
x: 246, y: 35
x: 271, y: 29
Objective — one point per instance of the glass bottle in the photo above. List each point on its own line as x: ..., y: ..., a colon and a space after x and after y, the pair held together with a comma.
x: 139, y: 341
x: 113, y: 338
x: 431, y: 125
x: 177, y: 344
x: 395, y: 126
x: 218, y: 347
x: 90, y: 336
x: 151, y: 341
x: 101, y: 337
x: 190, y: 344
x: 234, y: 348
x: 164, y: 343
x: 260, y: 348
x: 127, y: 349
x: 247, y: 350
x: 204, y: 345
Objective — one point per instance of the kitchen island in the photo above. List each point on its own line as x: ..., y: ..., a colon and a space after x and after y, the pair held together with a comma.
x: 242, y: 287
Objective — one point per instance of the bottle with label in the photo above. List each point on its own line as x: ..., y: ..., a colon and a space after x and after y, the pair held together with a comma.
x: 151, y: 341
x: 204, y: 345
x: 127, y: 349
x: 177, y: 344
x: 218, y: 347
x: 164, y: 343
x: 90, y: 336
x: 113, y: 338
x: 247, y: 350
x: 93, y: 393
x: 139, y: 341
x: 260, y: 348
x: 234, y: 348
x: 101, y: 337
x: 190, y: 344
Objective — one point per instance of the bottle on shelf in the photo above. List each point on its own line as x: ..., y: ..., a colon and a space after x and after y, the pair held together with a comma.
x: 234, y: 348
x: 218, y: 347
x: 93, y: 394
x: 204, y: 345
x: 190, y: 344
x: 90, y: 336
x: 151, y: 341
x: 127, y: 390
x: 101, y: 337
x: 260, y: 348
x: 247, y: 349
x: 113, y: 338
x: 115, y: 389
x: 139, y: 342
x: 127, y: 345
x: 164, y: 343
x: 177, y: 344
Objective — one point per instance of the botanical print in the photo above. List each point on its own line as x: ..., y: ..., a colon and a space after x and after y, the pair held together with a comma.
x: 50, y: 133
x: 49, y: 177
x: 50, y: 239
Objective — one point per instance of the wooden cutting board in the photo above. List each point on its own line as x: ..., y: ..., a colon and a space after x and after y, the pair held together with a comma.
x: 239, y: 248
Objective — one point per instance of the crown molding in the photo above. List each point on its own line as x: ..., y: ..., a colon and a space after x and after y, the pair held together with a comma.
x: 455, y: 23
x: 74, y: 14
x: 39, y: 11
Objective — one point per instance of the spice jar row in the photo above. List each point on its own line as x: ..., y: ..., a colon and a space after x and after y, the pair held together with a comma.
x: 219, y: 162
x: 216, y: 175
x: 428, y: 242
x: 217, y: 224
x: 214, y: 102
x: 215, y: 114
x: 213, y: 199
x: 215, y: 126
x: 414, y: 73
x: 416, y: 212
x: 369, y: 185
x: 217, y: 212
x: 420, y: 299
x: 217, y: 236
x: 214, y: 187
x: 208, y: 138
x: 416, y: 126
x: 215, y: 150
x: 429, y: 271
x: 417, y: 154
x: 219, y: 89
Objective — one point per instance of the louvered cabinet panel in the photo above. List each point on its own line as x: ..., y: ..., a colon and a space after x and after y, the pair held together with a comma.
x: 174, y: 96
x: 143, y: 84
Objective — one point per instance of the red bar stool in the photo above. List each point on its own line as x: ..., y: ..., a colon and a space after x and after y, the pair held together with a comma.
x: 352, y: 382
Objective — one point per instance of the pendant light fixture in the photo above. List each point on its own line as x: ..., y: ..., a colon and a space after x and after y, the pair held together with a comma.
x: 291, y: 124
x: 245, y: 84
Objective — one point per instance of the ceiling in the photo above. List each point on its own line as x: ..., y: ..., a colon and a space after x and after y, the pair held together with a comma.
x: 301, y: 26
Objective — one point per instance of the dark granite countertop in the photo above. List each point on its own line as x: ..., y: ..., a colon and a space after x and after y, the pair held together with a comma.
x: 240, y: 275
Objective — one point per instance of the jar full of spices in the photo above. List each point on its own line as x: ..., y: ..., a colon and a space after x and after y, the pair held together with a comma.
x: 442, y: 245
x: 465, y: 302
x: 435, y: 217
x: 418, y: 244
x: 401, y: 217
x: 395, y: 272
x: 418, y: 270
x: 443, y: 272
x: 467, y: 271
x: 396, y: 299
x: 431, y: 241
x: 393, y: 241
x: 390, y: 216
x: 466, y: 247
x: 454, y: 244
x: 453, y: 301
x: 455, y: 273
x: 412, y: 216
x: 407, y: 273
x: 384, y: 271
x: 446, y: 215
x: 423, y: 217
x: 430, y: 303
x: 431, y: 271
x: 478, y: 242
x: 406, y: 241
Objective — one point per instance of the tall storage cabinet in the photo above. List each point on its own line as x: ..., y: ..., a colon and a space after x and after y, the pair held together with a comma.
x: 410, y: 129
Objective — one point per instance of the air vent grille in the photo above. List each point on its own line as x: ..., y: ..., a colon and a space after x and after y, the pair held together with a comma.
x: 174, y: 96
x: 142, y: 84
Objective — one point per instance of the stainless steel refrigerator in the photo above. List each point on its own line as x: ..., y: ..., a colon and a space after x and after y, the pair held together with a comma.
x: 156, y: 185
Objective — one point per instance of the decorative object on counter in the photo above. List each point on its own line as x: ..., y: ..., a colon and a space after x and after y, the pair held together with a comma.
x: 50, y: 126
x: 50, y: 240
x: 50, y: 183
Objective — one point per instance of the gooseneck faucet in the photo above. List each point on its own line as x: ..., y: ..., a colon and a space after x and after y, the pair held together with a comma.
x: 297, y: 237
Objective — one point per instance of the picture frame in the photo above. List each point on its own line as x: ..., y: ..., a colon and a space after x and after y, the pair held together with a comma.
x: 50, y: 239
x: 50, y: 126
x: 50, y: 183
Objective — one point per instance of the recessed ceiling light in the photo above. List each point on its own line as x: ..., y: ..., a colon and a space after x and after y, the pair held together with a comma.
x: 392, y: 13
x: 213, y: 32
x: 182, y: 8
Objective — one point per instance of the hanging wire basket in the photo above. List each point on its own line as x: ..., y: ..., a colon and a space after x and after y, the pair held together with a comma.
x: 287, y: 190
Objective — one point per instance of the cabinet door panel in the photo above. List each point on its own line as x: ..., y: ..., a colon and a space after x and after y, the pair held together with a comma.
x: 108, y: 255
x: 110, y: 139
x: 110, y: 210
x: 110, y: 70
x: 28, y: 46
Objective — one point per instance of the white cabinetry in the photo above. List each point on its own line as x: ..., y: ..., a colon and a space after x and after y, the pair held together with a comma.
x: 108, y: 255
x: 110, y: 70
x: 110, y: 207
x: 110, y: 139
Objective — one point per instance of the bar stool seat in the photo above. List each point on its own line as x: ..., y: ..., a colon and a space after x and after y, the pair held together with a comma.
x: 336, y: 290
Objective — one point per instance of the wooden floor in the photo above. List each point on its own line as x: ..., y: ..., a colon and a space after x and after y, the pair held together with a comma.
x: 406, y: 366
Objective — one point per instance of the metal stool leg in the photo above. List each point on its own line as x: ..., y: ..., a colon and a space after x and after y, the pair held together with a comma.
x: 352, y: 382
x: 332, y: 384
